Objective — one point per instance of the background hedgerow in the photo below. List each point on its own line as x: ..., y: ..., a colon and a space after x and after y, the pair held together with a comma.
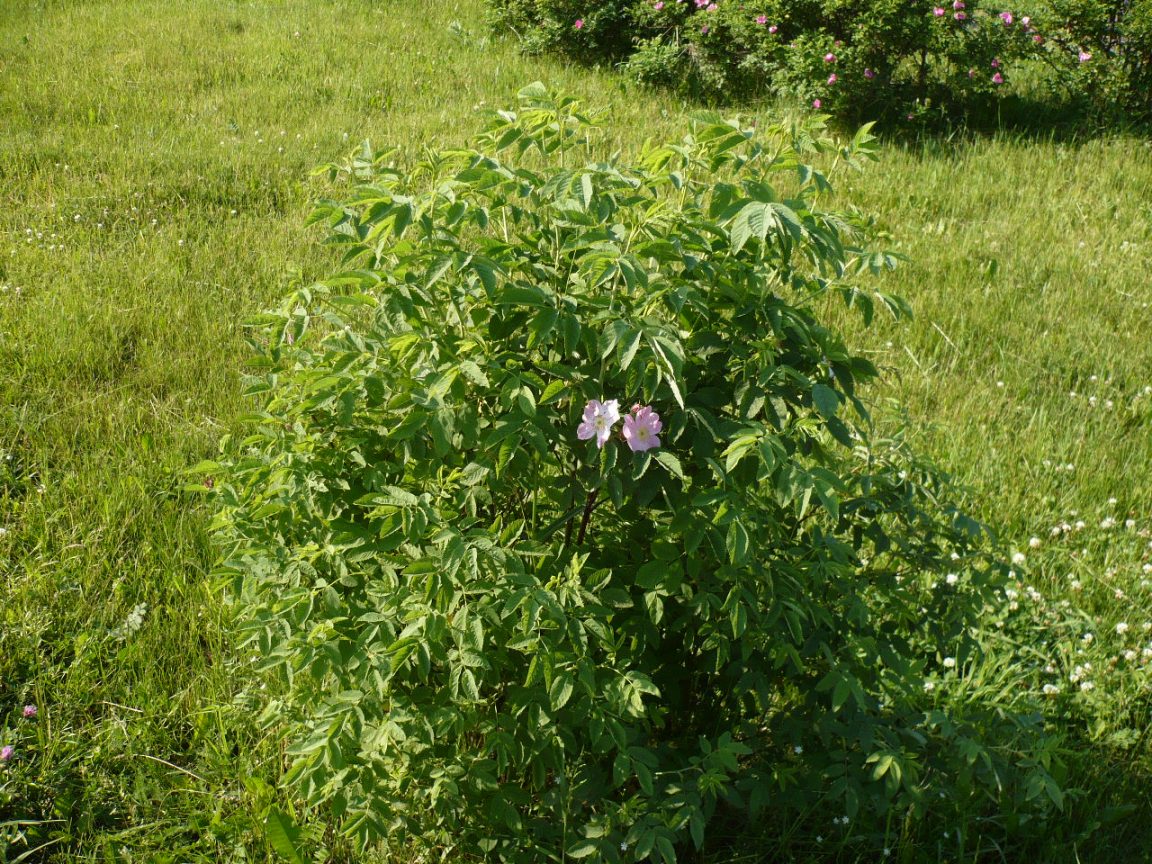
x: 876, y: 59
x: 493, y: 623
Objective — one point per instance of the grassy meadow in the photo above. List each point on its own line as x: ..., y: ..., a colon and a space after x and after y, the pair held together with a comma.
x: 155, y: 165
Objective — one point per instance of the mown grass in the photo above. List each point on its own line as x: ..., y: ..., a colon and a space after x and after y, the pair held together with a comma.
x: 154, y: 181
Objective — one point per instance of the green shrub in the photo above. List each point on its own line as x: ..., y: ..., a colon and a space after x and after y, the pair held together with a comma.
x: 890, y: 59
x: 490, y: 626
x: 1102, y: 51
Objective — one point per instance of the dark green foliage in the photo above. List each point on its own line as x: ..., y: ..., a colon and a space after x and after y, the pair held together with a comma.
x: 892, y: 60
x: 484, y: 633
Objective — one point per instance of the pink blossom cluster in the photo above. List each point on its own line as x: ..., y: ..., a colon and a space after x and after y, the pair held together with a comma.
x: 642, y: 425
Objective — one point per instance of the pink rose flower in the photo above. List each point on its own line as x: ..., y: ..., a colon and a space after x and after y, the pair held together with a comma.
x: 642, y: 428
x: 599, y: 418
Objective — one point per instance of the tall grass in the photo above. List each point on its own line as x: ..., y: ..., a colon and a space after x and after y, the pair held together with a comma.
x: 154, y: 179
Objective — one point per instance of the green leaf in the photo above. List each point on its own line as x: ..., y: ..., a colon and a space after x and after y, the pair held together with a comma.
x: 696, y: 828
x: 553, y: 391
x: 738, y: 449
x: 583, y: 850
x: 283, y: 836
x: 628, y: 348
x: 840, y: 693
x: 738, y: 543
x: 825, y: 399
x: 560, y: 691
x: 671, y: 463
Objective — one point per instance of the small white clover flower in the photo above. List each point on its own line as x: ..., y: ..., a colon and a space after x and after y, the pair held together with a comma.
x: 951, y: 578
x: 929, y: 686
x: 949, y: 662
x: 1087, y: 638
x: 1034, y: 543
x: 797, y: 749
x: 1018, y: 559
x: 1130, y: 524
x: 1122, y: 628
x: 1050, y: 689
x: 1107, y: 523
x: 1086, y: 686
x: 1129, y: 655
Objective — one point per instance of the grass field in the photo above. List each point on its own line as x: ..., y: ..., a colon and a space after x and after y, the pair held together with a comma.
x: 154, y: 182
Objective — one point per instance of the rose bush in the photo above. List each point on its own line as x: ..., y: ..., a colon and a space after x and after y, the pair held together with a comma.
x: 889, y: 59
x: 561, y: 528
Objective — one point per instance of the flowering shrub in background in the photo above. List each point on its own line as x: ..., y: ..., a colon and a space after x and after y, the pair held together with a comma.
x: 497, y: 613
x: 861, y: 58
